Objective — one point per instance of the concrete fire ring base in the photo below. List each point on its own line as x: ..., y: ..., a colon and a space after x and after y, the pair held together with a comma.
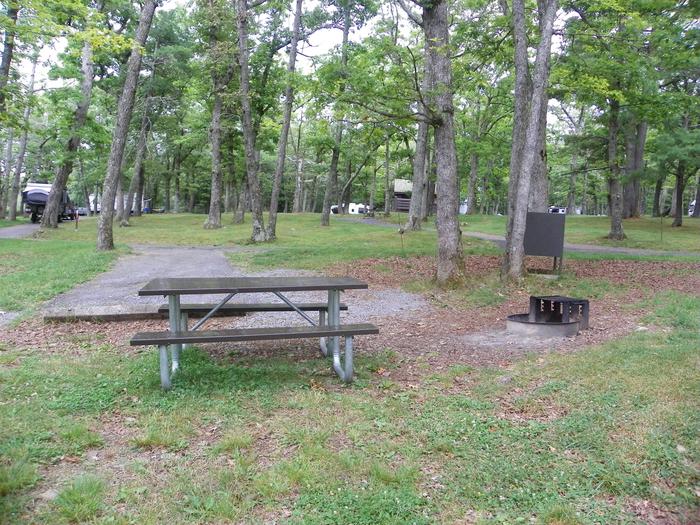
x: 520, y: 324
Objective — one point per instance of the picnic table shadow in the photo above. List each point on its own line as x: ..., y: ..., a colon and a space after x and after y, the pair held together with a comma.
x: 205, y: 372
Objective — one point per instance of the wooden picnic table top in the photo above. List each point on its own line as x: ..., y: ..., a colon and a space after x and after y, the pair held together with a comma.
x: 213, y: 285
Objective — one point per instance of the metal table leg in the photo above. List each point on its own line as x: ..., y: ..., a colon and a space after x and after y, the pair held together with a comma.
x: 334, y: 317
x: 322, y: 322
x: 175, y: 326
x: 345, y: 370
x: 164, y: 367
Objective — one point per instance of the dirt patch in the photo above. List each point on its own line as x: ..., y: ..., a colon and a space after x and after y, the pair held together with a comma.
x: 649, y: 275
x: 652, y: 513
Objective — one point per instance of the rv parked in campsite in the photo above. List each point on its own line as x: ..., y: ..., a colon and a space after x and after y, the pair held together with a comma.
x: 34, y: 197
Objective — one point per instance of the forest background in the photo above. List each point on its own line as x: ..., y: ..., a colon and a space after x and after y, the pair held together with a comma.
x: 203, y: 108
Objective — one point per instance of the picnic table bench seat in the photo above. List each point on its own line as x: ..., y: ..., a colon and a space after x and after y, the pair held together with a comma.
x: 168, y: 367
x: 234, y: 309
x: 250, y: 334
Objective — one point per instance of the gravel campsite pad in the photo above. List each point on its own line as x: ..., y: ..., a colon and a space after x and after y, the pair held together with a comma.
x: 424, y: 330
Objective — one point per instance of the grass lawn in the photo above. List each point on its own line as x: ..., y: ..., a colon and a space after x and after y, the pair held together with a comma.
x: 20, y: 220
x: 645, y: 232
x: 590, y: 437
x: 34, y: 271
x: 607, y: 434
x: 301, y: 241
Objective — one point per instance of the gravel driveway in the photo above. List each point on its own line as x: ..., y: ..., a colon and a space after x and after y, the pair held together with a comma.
x: 118, y: 287
x: 18, y: 232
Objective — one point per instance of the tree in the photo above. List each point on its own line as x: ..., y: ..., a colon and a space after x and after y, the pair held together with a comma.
x: 14, y: 190
x: 286, y: 121
x: 105, y: 240
x: 259, y: 234
x: 526, y: 132
x: 221, y: 74
x: 50, y: 217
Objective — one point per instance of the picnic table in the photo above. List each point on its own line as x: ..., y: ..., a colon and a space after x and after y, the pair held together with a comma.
x: 328, y: 328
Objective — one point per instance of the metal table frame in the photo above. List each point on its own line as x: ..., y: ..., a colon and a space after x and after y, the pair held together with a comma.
x: 173, y: 288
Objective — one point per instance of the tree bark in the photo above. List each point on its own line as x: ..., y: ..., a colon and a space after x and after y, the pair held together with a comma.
x: 635, y: 139
x: 14, y: 191
x: 615, y: 187
x: 678, y: 193
x: 286, y: 121
x: 524, y: 149
x: 50, y: 217
x: 119, y: 199
x: 427, y: 199
x: 137, y: 179
x: 8, y: 52
x: 239, y: 217
x: 259, y: 234
x: 450, y: 257
x: 105, y: 238
x: 539, y: 187
x: 297, y: 205
x: 214, y: 218
x: 696, y: 210
x: 5, y: 190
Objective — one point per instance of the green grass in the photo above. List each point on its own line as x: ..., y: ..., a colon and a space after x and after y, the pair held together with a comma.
x: 645, y: 232
x: 81, y: 500
x: 4, y: 223
x: 301, y: 241
x: 570, y: 438
x: 34, y: 271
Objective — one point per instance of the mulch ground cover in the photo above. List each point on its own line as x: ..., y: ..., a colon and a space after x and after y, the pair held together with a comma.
x: 447, y: 333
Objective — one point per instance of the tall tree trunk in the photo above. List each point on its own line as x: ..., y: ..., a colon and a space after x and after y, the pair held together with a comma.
x: 299, y: 193
x: 286, y: 121
x: 539, y: 186
x: 525, y: 144
x: 105, y: 239
x: 8, y: 51
x: 415, y: 208
x: 5, y: 190
x: 138, y: 198
x: 614, y: 185
x: 54, y: 202
x: 214, y: 218
x: 14, y: 191
x: 635, y: 140
x: 259, y: 234
x: 137, y: 179
x: 678, y: 190
x: 571, y: 198
x: 239, y: 217
x: 331, y: 185
x: 426, y: 198
x: 450, y: 256
x: 119, y: 199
